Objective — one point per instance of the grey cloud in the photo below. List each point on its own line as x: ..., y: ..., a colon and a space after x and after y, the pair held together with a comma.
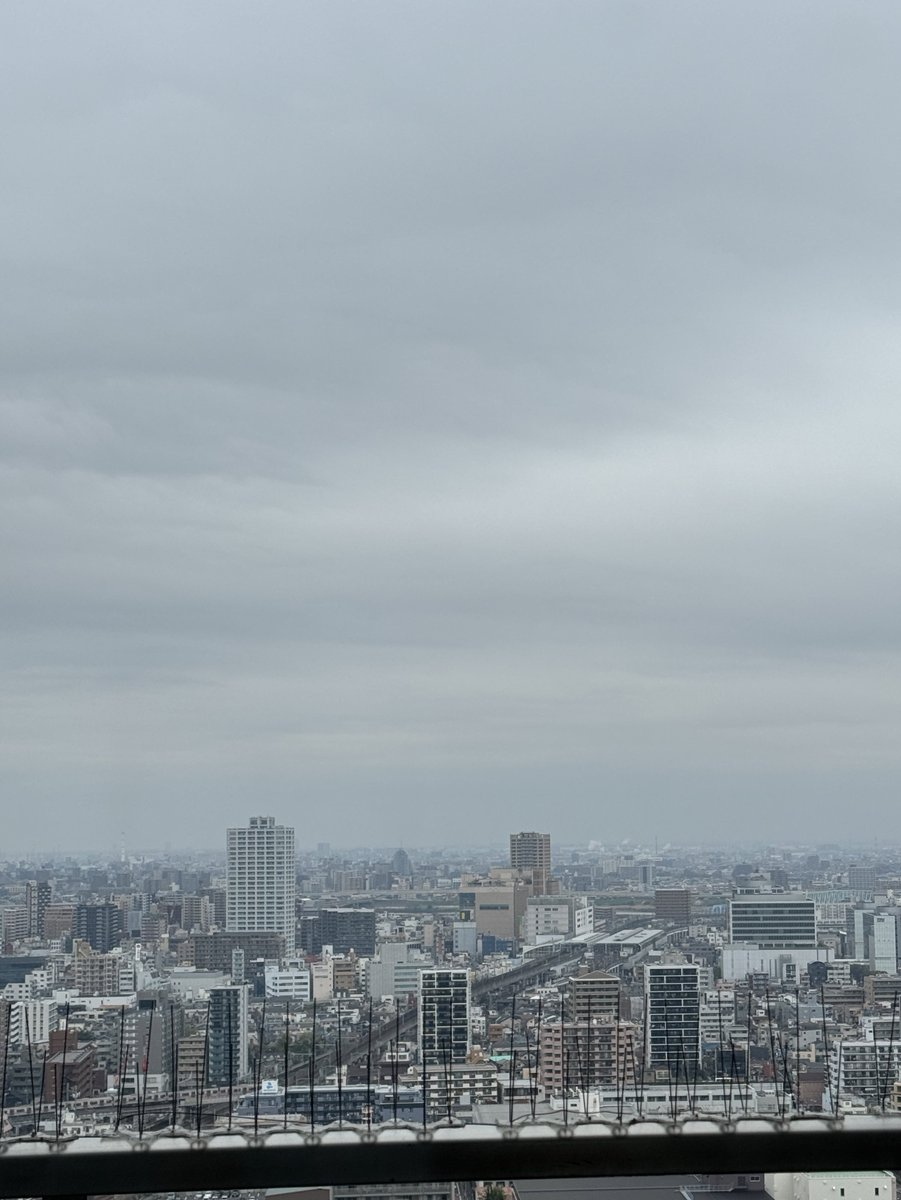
x: 411, y: 406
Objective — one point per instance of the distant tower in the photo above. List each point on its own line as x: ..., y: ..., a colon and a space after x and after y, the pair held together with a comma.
x: 261, y: 878
x: 401, y: 864
x: 37, y: 897
x: 531, y: 853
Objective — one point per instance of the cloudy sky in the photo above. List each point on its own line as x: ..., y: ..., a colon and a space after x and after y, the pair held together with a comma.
x: 424, y: 420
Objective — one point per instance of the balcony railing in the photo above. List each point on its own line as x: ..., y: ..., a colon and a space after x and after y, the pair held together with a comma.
x: 176, y: 1161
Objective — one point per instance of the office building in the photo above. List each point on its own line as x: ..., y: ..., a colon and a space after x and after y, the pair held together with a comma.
x: 466, y: 938
x: 100, y: 925
x: 672, y: 1016
x: 215, y: 951
x: 862, y: 879
x: 552, y: 918
x: 228, y: 1034
x: 786, y: 966
x: 876, y: 940
x: 294, y: 982
x: 672, y: 906
x: 396, y: 969
x: 530, y: 853
x: 346, y: 929
x: 646, y: 876
x: 497, y: 904
x: 774, y: 921
x: 261, y: 880
x: 444, y: 1004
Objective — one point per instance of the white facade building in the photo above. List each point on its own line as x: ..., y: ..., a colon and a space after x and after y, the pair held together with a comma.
x: 261, y: 880
x: 832, y: 1185
x: 32, y: 1020
x: 549, y: 918
x: 864, y: 1068
x: 717, y: 1015
x: 876, y: 939
x: 786, y: 966
x: 292, y: 982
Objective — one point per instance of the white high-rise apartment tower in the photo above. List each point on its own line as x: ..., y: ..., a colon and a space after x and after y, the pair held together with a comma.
x: 261, y: 880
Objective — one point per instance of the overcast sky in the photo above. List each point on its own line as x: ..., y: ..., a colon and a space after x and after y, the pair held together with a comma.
x: 425, y: 420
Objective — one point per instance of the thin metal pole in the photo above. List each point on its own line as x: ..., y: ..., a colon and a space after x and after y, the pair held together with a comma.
x: 258, y: 1078
x: 285, y: 1117
x: 369, y: 1069
x: 891, y: 1044
x: 339, y: 1065
x: 147, y: 1064
x: 120, y: 1090
x: 826, y: 1048
x: 312, y: 1075
x: 30, y: 1069
x: 231, y: 1060
x: 206, y: 1064
x: 9, y: 1010
x: 62, y: 1077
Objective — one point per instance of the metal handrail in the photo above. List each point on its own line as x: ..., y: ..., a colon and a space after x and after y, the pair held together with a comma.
x: 402, y: 1154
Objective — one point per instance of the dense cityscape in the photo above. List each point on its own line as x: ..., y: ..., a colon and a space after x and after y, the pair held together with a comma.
x: 262, y: 985
x: 449, y: 600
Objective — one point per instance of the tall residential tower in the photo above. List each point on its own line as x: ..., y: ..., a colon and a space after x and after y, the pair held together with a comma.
x: 530, y: 853
x: 261, y: 880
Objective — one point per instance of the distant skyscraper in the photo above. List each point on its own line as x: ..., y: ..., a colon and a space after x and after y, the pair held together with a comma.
x: 261, y: 880
x: 346, y: 929
x: 531, y: 852
x: 401, y: 863
x: 444, y: 1001
x: 37, y: 897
